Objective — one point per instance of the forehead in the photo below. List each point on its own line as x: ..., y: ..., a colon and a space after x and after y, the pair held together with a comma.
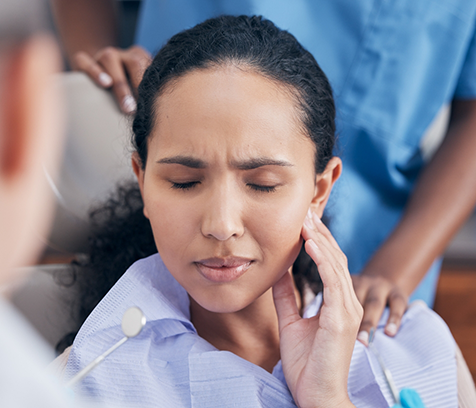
x: 227, y: 107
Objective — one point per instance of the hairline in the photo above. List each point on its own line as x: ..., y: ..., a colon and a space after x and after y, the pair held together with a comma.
x: 245, y: 66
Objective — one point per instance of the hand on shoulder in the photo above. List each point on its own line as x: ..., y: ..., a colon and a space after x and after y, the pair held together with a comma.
x: 118, y: 69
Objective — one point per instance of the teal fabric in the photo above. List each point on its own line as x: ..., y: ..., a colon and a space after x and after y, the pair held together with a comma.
x: 409, y: 398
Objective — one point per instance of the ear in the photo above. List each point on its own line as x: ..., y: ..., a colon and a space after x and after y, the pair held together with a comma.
x: 324, y: 183
x: 139, y: 172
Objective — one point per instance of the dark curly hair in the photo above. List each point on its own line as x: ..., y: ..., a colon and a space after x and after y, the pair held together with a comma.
x: 120, y: 232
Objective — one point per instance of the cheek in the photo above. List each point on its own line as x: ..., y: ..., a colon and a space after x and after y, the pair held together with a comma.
x: 278, y: 226
x: 172, y: 223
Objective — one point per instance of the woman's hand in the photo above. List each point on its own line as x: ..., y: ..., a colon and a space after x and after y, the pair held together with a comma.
x: 316, y: 352
x: 375, y: 293
x: 114, y: 68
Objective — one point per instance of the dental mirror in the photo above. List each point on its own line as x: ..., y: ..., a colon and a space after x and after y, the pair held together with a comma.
x: 133, y: 321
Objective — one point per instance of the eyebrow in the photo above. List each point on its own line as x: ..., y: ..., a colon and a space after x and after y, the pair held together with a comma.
x: 251, y: 164
x: 184, y: 161
x: 260, y: 162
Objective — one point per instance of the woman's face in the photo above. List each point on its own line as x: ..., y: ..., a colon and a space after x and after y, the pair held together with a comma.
x: 227, y: 184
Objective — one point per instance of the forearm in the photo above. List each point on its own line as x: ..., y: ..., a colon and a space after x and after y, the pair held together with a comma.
x: 85, y: 25
x: 443, y: 198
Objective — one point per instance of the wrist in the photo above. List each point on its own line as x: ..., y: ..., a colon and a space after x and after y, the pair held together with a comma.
x: 343, y: 402
x: 388, y: 266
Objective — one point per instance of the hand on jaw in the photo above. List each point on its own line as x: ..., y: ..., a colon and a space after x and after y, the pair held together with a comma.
x: 316, y: 352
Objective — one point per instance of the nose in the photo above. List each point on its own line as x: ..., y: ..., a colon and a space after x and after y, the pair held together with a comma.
x: 222, y: 216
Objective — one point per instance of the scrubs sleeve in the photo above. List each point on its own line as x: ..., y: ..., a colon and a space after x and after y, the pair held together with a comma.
x: 466, y: 87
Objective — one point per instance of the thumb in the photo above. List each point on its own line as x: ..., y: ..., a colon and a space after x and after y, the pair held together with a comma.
x: 285, y: 301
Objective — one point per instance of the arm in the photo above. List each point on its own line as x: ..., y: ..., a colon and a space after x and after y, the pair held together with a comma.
x: 85, y: 25
x: 89, y: 33
x: 444, y: 197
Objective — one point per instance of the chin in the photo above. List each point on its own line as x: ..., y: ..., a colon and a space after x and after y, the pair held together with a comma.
x: 224, y: 302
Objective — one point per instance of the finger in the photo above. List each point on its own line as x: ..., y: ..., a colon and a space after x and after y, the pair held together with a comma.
x: 85, y: 63
x: 374, y: 306
x: 398, y: 304
x: 338, y: 293
x: 315, y: 224
x: 136, y: 61
x: 360, y: 288
x: 322, y: 228
x: 335, y: 255
x: 285, y: 301
x: 315, y: 229
x: 332, y: 279
x: 309, y: 231
x: 324, y: 258
x: 110, y: 59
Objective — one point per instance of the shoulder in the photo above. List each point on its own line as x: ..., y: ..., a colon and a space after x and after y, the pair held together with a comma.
x: 426, y: 327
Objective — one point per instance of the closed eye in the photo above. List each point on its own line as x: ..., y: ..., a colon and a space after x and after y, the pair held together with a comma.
x: 184, y: 186
x: 264, y: 189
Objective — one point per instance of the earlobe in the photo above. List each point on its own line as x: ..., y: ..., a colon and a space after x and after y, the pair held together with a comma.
x: 324, y: 183
x: 137, y: 168
x: 139, y: 172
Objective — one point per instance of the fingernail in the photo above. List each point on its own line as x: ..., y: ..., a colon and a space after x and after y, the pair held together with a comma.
x: 313, y: 244
x: 417, y: 302
x: 316, y: 219
x: 129, y: 104
x: 391, y: 329
x: 363, y: 337
x: 105, y: 79
x: 308, y: 220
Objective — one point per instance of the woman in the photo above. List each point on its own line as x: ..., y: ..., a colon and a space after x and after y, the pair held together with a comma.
x: 233, y: 140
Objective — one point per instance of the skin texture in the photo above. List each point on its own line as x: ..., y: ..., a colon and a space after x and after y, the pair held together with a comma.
x: 228, y: 119
x: 230, y: 175
x: 30, y: 138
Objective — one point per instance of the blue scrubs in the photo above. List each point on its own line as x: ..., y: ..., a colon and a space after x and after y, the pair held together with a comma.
x: 392, y: 64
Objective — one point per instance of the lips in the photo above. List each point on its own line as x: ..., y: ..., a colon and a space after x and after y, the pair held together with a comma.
x: 223, y: 270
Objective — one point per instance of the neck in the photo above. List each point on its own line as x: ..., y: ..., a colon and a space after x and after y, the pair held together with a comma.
x: 251, y: 333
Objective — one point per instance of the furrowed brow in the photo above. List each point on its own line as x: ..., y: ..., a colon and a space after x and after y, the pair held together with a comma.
x: 184, y: 161
x: 260, y: 162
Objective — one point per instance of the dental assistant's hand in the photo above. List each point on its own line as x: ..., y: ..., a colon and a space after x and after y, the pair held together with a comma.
x: 316, y: 352
x: 118, y: 69
x: 444, y: 196
x: 375, y: 293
